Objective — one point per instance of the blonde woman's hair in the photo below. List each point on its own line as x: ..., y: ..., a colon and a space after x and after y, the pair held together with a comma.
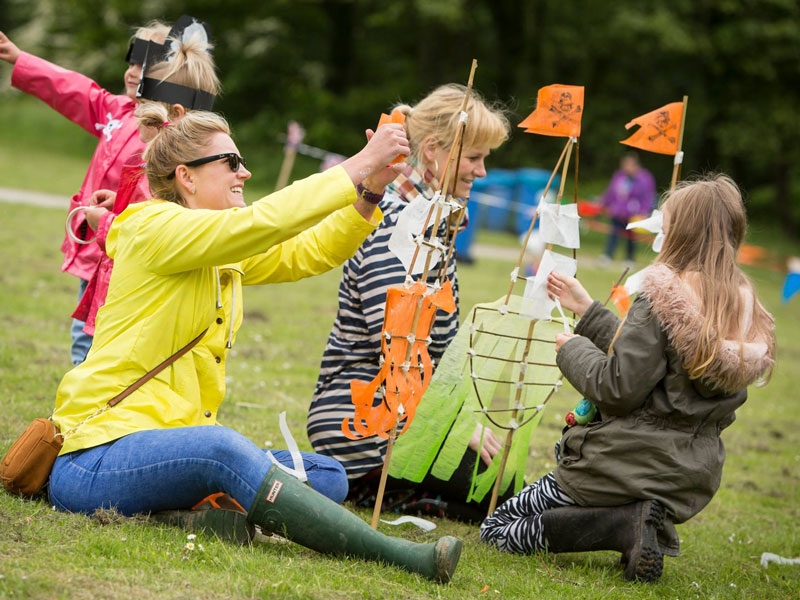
x: 706, y: 227
x: 436, y: 116
x: 175, y: 144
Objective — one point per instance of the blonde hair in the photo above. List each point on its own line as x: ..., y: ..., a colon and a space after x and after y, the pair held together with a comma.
x: 188, y: 63
x: 154, y: 31
x: 707, y: 225
x: 436, y: 116
x: 175, y: 144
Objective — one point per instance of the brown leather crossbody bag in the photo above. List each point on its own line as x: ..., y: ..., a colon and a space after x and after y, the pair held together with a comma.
x: 26, y: 466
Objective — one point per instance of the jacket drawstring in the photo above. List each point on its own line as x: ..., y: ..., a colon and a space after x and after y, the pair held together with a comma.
x: 233, y: 307
x: 219, y: 289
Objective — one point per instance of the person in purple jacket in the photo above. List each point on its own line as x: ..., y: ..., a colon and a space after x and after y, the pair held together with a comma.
x: 107, y: 116
x: 631, y: 192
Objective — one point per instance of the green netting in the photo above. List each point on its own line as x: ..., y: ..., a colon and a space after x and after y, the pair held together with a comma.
x: 450, y: 403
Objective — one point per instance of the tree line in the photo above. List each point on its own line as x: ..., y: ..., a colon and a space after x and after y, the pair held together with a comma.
x: 334, y: 65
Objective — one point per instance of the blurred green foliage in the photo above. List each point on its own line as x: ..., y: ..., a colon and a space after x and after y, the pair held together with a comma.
x: 334, y: 65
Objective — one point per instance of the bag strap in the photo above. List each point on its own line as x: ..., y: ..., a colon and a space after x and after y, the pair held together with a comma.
x: 136, y: 384
x: 154, y: 371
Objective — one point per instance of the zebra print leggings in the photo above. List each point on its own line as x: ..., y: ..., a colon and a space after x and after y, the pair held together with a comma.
x: 517, y: 525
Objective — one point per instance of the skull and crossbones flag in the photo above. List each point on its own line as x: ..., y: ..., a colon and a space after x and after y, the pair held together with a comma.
x: 658, y: 130
x: 559, y: 109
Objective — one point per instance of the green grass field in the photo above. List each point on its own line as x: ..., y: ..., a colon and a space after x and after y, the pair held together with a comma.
x: 47, y: 554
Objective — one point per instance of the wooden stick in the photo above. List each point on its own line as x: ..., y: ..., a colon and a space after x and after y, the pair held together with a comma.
x: 625, y: 272
x: 564, y: 173
x: 376, y: 512
x: 676, y: 169
x: 536, y: 215
x: 510, y: 434
x: 444, y: 184
x: 289, y: 154
x: 417, y: 310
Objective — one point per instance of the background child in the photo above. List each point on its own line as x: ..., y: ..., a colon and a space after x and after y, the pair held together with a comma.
x: 666, y: 382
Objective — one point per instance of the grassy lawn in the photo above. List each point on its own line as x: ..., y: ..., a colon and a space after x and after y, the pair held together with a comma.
x: 47, y: 554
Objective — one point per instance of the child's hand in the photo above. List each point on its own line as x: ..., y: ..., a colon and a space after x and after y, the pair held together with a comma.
x: 103, y: 198
x: 93, y: 215
x: 563, y: 338
x: 569, y: 292
x: 8, y: 50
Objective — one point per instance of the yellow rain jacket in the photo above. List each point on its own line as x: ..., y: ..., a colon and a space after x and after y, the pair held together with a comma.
x: 178, y: 271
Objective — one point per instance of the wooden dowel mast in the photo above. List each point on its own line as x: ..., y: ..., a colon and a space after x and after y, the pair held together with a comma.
x: 676, y: 169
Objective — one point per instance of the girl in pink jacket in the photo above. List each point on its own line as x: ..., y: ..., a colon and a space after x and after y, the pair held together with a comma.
x: 107, y: 116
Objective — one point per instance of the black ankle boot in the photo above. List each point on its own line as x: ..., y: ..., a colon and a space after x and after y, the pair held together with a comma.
x: 631, y: 529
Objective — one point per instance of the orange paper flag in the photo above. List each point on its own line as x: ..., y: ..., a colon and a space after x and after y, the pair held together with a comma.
x: 559, y: 109
x: 658, y: 131
x: 404, y: 381
x: 395, y: 117
x: 621, y: 299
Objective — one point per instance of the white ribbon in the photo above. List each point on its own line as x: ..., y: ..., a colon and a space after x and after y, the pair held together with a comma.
x: 423, y: 524
x: 299, y: 470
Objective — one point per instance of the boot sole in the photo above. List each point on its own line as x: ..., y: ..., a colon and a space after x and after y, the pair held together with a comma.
x: 227, y: 525
x: 647, y: 562
x: 447, y: 552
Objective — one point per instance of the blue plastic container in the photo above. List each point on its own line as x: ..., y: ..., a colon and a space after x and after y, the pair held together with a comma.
x: 495, y: 194
x: 530, y: 185
x: 464, y: 238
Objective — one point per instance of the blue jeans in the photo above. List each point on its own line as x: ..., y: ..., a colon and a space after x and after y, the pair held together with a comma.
x: 165, y: 469
x: 618, y: 230
x: 81, y: 342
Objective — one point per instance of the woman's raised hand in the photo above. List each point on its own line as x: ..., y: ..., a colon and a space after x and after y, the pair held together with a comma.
x: 570, y: 293
x: 8, y: 50
x: 383, y: 146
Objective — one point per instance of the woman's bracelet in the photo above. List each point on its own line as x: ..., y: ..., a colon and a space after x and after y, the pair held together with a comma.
x: 368, y: 196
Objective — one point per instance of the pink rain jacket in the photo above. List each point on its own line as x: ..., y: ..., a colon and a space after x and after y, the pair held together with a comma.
x: 106, y: 116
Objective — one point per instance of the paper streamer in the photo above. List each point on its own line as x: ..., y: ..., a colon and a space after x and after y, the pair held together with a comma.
x: 768, y: 557
x: 559, y: 224
x: 299, y: 470
x: 423, y: 524
x: 536, y: 304
x: 409, y: 225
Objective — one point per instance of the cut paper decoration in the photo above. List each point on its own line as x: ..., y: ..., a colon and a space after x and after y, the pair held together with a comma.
x: 395, y: 117
x: 477, y: 379
x: 634, y: 282
x: 559, y: 109
x: 791, y: 284
x: 658, y: 130
x: 404, y: 380
x: 536, y: 303
x: 768, y: 557
x: 423, y: 524
x: 559, y: 224
x: 653, y: 224
x: 408, y: 232
x: 621, y: 299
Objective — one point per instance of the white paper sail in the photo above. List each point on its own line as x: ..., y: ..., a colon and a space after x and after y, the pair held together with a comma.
x: 653, y: 224
x: 559, y: 224
x: 536, y: 304
x: 403, y: 242
x: 634, y: 282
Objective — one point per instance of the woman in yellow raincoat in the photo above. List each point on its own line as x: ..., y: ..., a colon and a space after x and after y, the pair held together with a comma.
x: 180, y: 262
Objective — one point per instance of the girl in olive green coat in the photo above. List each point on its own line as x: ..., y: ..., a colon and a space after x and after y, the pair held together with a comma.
x: 666, y: 381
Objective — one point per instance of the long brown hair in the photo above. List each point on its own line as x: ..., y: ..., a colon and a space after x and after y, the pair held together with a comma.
x: 705, y: 227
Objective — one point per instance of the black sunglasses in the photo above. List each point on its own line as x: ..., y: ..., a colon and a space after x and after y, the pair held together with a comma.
x: 234, y: 160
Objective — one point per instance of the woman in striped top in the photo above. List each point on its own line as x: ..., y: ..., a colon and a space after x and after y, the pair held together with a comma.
x: 354, y: 346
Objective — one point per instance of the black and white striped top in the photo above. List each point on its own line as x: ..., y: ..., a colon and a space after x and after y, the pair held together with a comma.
x: 354, y: 346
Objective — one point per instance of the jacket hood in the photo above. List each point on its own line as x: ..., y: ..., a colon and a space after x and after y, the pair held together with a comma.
x: 737, y: 364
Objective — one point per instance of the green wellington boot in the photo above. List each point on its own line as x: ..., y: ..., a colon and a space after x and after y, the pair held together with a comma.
x: 631, y: 529
x: 218, y: 514
x: 285, y: 506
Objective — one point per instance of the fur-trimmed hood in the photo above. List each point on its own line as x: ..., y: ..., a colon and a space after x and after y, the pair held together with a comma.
x: 737, y: 365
